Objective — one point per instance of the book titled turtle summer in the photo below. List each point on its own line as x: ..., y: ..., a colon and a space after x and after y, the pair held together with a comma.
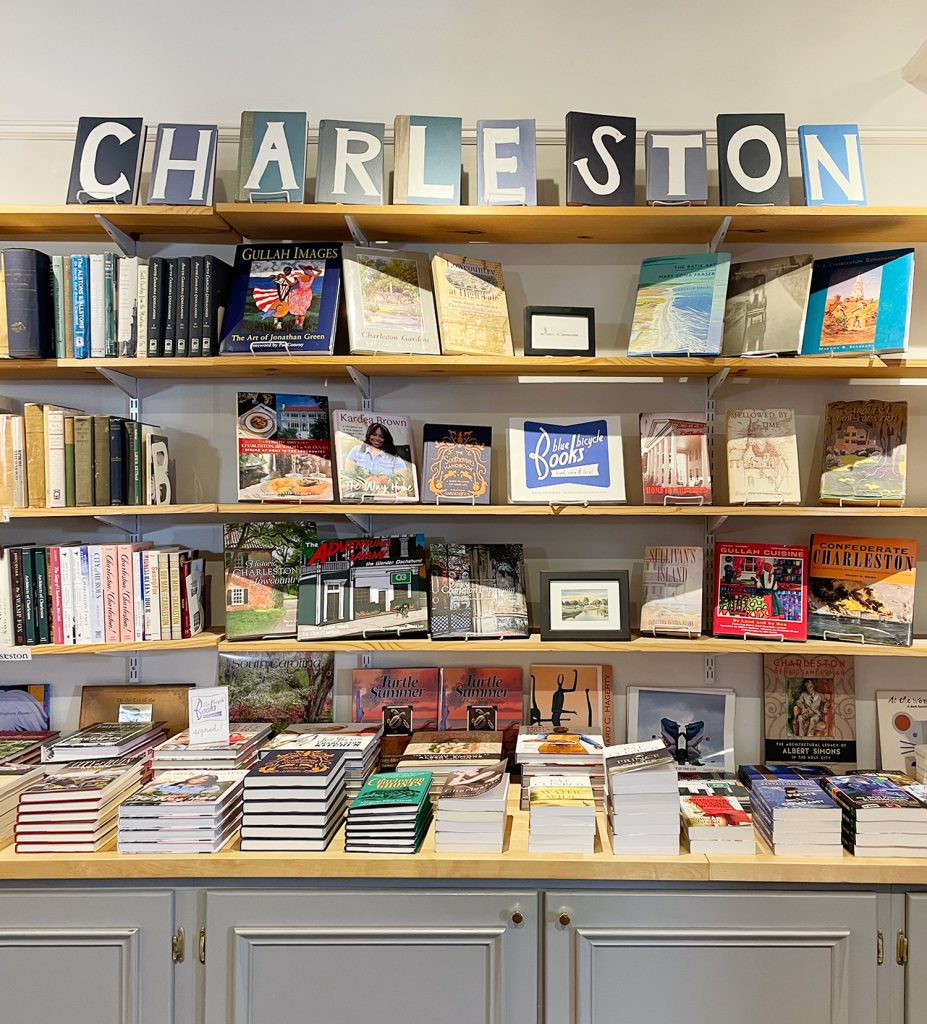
x: 284, y: 298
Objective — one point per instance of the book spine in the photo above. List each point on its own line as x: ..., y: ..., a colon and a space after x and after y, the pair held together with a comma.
x: 111, y: 599
x: 42, y: 616
x: 170, y: 306
x: 20, y: 482
x: 80, y: 305
x: 608, y: 709
x: 173, y: 568
x: 109, y: 304
x: 141, y: 311
x: 6, y: 461
x: 156, y: 306
x: 7, y: 632
x: 4, y: 326
x: 18, y: 588
x: 126, y: 593
x: 117, y: 465
x: 196, y: 305
x: 96, y: 599
x: 55, y: 483
x: 67, y: 594
x: 57, y: 283
x: 82, y: 597
x: 29, y: 597
x: 35, y: 453
x: 127, y: 294
x: 26, y: 275
x: 97, y: 307
x: 164, y: 589
x: 67, y: 307
x: 207, y: 329
x: 83, y: 461
x: 138, y: 594
x: 152, y: 597
x: 134, y: 494
x: 70, y: 498
x: 182, y: 317
x: 184, y: 598
x: 101, y: 490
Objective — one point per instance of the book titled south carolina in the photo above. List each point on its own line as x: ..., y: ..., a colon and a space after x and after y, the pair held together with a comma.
x: 680, y: 305
x: 760, y: 591
x: 860, y: 303
x: 284, y: 298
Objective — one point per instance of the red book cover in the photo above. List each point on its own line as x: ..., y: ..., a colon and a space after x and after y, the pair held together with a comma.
x: 761, y: 590
x: 57, y: 610
x: 483, y: 699
x: 405, y: 700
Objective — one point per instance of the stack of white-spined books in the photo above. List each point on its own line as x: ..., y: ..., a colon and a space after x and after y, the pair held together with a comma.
x: 717, y: 824
x: 448, y: 751
x: 561, y: 815
x: 643, y: 799
x: 294, y: 800
x: 391, y: 814
x: 541, y: 752
x: 181, y: 811
x: 920, y: 763
x: 880, y: 817
x: 103, y: 740
x: 14, y: 778
x: 179, y: 754
x: 797, y: 818
x: 471, y: 811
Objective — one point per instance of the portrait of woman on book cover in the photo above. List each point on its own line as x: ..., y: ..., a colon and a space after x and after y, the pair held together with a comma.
x: 376, y: 466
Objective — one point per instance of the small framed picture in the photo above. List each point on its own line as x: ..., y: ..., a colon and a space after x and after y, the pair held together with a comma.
x: 585, y: 605
x: 559, y: 331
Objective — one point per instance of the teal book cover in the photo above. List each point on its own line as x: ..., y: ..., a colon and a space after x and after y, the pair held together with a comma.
x: 860, y: 303
x: 272, y: 157
x: 680, y: 305
x: 393, y: 789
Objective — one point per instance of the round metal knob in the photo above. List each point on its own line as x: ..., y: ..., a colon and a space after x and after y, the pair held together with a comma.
x: 517, y: 917
x: 564, y: 918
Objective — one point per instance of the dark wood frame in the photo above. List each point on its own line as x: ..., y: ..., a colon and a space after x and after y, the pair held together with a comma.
x: 623, y: 579
x: 568, y: 312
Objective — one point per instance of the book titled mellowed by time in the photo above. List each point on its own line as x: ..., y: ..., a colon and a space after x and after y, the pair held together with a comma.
x: 762, y: 457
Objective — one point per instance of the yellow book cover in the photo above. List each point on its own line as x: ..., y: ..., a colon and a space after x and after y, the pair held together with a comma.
x: 558, y: 796
x: 35, y: 453
x: 473, y: 316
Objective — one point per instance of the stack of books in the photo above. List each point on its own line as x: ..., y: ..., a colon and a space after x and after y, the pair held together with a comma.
x: 240, y: 751
x: 542, y: 753
x: 75, y: 808
x: 360, y: 742
x: 391, y: 814
x: 443, y: 753
x: 23, y: 747
x: 294, y: 800
x: 880, y: 817
x: 714, y: 784
x: 717, y: 824
x: 643, y: 799
x: 920, y: 763
x: 105, y: 740
x: 189, y: 811
x: 561, y: 814
x: 472, y: 811
x: 14, y: 778
x: 751, y: 773
x: 797, y: 818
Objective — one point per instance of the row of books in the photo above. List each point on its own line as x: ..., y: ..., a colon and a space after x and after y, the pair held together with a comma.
x: 100, y: 593
x: 54, y: 457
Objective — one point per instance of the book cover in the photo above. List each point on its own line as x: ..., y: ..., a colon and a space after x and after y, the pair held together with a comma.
x: 861, y: 589
x: 319, y: 764
x: 601, y: 151
x: 761, y: 591
x: 466, y: 745
x: 472, y: 312
x: 697, y: 725
x: 375, y: 457
x: 272, y: 157
x: 403, y: 700
x: 714, y: 812
x: 474, y: 783
x: 752, y: 160
x: 426, y: 157
x: 387, y: 790
x: 672, y: 590
x: 349, y: 162
x: 183, y: 170
x: 799, y: 795
x: 389, y: 301
x: 186, y: 787
x: 284, y: 447
x: 365, y: 586
x: 860, y: 303
x: 762, y: 457
x: 676, y: 168
x: 506, y: 161
x: 29, y: 312
x: 680, y: 305
x: 565, y: 459
x: 809, y: 708
x: 860, y: 792
x: 835, y: 150
x: 764, y: 312
x: 865, y: 453
x: 283, y: 298
x: 262, y: 567
x: 283, y: 688
x: 630, y: 757
x: 482, y: 699
x: 244, y: 736
x: 902, y: 716
x: 750, y: 774
x: 456, y: 464
x: 675, y: 464
x: 107, y: 162
x: 576, y: 697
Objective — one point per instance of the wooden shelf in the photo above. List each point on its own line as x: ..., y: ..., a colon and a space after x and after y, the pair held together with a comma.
x: 111, y: 511
x: 199, y: 224
x: 199, y: 642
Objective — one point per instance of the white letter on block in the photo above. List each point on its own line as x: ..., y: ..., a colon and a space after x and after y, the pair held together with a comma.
x: 88, y: 161
x: 676, y: 146
x: 418, y: 187
x: 198, y: 165
x: 613, y: 175
x: 817, y: 156
x: 494, y: 165
x: 356, y: 161
x: 274, y: 149
x: 738, y: 140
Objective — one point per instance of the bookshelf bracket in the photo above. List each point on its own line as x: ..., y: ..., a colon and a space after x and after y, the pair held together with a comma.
x: 715, y: 523
x: 127, y: 523
x: 126, y: 384
x: 359, y: 237
x: 717, y: 379
x: 720, y: 234
x: 362, y: 523
x: 126, y: 243
x: 133, y: 664
x: 363, y: 384
x: 710, y: 678
x: 365, y: 659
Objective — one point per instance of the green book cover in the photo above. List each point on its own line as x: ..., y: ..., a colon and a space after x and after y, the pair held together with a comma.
x: 109, y: 299
x: 70, y: 496
x: 101, y: 490
x: 393, y: 789
x: 57, y: 290
x: 41, y: 596
x: 134, y: 462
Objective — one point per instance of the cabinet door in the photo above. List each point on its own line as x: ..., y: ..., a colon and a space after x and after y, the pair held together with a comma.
x: 705, y: 958
x: 87, y: 957
x: 915, y: 978
x: 388, y: 957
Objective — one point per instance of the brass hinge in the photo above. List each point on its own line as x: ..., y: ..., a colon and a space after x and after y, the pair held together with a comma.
x: 178, y: 946
x: 901, y: 949
x: 880, y: 949
x: 202, y: 945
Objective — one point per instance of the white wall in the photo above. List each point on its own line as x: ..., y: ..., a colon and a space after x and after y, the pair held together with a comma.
x: 671, y: 64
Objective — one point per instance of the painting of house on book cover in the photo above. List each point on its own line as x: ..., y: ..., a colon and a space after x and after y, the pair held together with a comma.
x: 865, y: 453
x: 281, y: 688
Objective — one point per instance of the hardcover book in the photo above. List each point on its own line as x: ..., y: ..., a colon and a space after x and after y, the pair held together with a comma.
x: 283, y: 298
x: 472, y: 311
x: 477, y: 590
x: 861, y: 589
x: 713, y: 812
x: 375, y: 456
x: 403, y: 700
x: 389, y: 301
x: 262, y: 568
x: 184, y: 787
x: 506, y: 162
x: 272, y: 157
x: 565, y: 459
x: 834, y: 150
x: 575, y: 697
x: 902, y: 718
x: 809, y: 708
x: 675, y: 465
x: 697, y: 725
x: 762, y: 457
x: 672, y: 590
x: 183, y: 171
x: 456, y: 464
x: 601, y: 151
x: 426, y: 156
x: 782, y: 773
x: 764, y: 313
x: 107, y: 162
x: 349, y: 165
x: 676, y: 168
x: 860, y: 303
x: 311, y: 767
x: 680, y: 305
x: 284, y: 447
x: 865, y: 453
x: 482, y: 699
x: 752, y: 160
x: 864, y: 792
x: 283, y: 688
x: 385, y: 792
x: 761, y: 591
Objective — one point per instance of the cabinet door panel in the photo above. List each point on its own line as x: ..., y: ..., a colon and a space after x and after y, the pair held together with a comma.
x: 915, y: 977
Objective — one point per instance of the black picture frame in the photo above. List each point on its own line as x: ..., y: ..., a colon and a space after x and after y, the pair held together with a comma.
x: 537, y: 348
x: 558, y: 632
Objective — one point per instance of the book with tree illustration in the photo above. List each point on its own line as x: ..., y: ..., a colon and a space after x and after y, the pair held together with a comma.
x: 283, y: 688
x: 865, y: 453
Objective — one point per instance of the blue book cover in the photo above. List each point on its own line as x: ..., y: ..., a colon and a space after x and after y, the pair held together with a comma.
x: 680, y: 305
x: 272, y: 157
x: 80, y: 305
x: 774, y: 798
x: 860, y: 303
x: 753, y: 773
x: 506, y: 160
x: 427, y: 160
x: 284, y: 298
x: 831, y: 165
x: 183, y: 172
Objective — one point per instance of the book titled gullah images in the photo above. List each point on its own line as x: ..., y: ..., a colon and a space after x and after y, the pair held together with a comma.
x: 284, y: 298
x: 375, y: 457
x: 284, y: 447
x: 456, y: 465
x: 766, y: 303
x: 865, y: 453
x: 674, y: 459
x: 672, y: 590
x: 472, y: 311
x: 760, y: 591
x: 861, y: 589
x: 762, y: 457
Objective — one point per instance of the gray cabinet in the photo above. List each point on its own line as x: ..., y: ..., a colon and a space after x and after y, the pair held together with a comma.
x: 915, y: 987
x: 274, y: 957
x: 86, y: 957
x: 704, y: 958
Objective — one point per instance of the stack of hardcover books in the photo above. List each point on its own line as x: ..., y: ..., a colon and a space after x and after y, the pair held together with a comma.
x: 191, y: 811
x: 294, y: 800
x: 714, y: 784
x: 541, y: 753
x: 797, y: 818
x: 561, y: 814
x: 880, y: 817
x: 104, y: 740
x: 75, y: 808
x: 23, y: 747
x: 751, y: 774
x: 643, y: 799
x: 443, y: 753
x: 717, y: 824
x: 472, y: 811
x: 359, y: 741
x: 240, y: 751
x: 14, y: 778
x: 391, y: 814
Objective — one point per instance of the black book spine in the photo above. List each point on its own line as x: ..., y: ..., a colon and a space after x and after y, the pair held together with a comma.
x: 19, y: 596
x: 207, y: 329
x: 40, y: 557
x: 29, y: 317
x: 170, y: 306
x: 156, y: 306
x: 29, y: 597
x: 182, y: 326
x: 196, y: 305
x: 117, y: 462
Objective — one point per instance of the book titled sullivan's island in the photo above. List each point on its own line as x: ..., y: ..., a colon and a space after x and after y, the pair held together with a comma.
x: 865, y: 453
x: 672, y: 590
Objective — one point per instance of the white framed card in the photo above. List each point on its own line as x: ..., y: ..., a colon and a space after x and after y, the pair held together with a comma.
x: 697, y: 725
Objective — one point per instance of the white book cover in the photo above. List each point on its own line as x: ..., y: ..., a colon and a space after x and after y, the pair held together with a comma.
x: 82, y: 596
x: 141, y: 306
x: 7, y: 635
x: 127, y: 320
x: 152, y: 596
x: 97, y: 297
x: 95, y: 595
x: 762, y: 457
x: 902, y: 726
x: 565, y: 459
x: 54, y: 456
x: 697, y: 725
x: 375, y: 456
x: 20, y: 480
